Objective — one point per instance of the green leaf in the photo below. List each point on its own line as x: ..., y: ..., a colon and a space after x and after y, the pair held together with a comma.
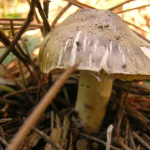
x: 9, y: 90
x: 9, y: 58
x: 32, y: 43
x: 12, y: 15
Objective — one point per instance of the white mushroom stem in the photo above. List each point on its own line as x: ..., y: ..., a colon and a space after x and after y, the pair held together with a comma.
x: 93, y: 96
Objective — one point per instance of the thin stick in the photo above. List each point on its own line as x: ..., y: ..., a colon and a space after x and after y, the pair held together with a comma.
x: 52, y: 120
x: 131, y: 140
x: 39, y: 110
x: 36, y: 17
x: 22, y: 74
x: 14, y: 19
x: 121, y: 111
x: 32, y: 63
x: 136, y: 27
x: 3, y: 141
x: 13, y: 35
x: 109, y: 134
x: 112, y: 8
x: 147, y: 137
x: 46, y: 7
x: 11, y: 102
x: 141, y: 140
x: 21, y: 23
x: 21, y: 91
x: 4, y: 39
x: 98, y: 140
x: 47, y: 139
x: 123, y: 11
x: 46, y: 25
x: 141, y: 36
x: 11, y: 75
x: 21, y: 31
x: 18, y: 28
x: 124, y: 146
x: 80, y: 5
x: 60, y: 14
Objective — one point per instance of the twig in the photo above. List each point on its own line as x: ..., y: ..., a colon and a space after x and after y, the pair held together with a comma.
x: 6, y: 42
x: 123, y: 145
x: 147, y: 137
x: 20, y: 24
x: 136, y: 26
x: 4, y: 120
x: 138, y: 116
x: 46, y: 25
x: 14, y: 19
x: 80, y: 5
x: 3, y: 141
x: 52, y: 120
x: 98, y: 140
x: 131, y: 140
x: 20, y: 49
x: 17, y: 44
x: 139, y: 147
x: 39, y: 110
x: 5, y: 108
x: 127, y: 132
x: 66, y: 95
x: 10, y: 74
x: 141, y: 36
x: 21, y: 91
x: 109, y: 134
x: 121, y: 111
x: 32, y: 63
x: 11, y: 102
x: 21, y: 31
x: 46, y: 7
x: 60, y: 14
x: 22, y: 74
x: 2, y: 131
x: 112, y: 8
x: 141, y: 140
x: 123, y: 11
x: 18, y: 28
x: 36, y: 17
x: 47, y: 139
x: 26, y: 144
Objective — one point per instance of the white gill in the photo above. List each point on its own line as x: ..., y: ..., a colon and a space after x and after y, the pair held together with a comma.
x: 131, y: 55
x: 84, y: 44
x: 60, y: 57
x: 96, y: 45
x: 104, y: 59
x: 66, y: 44
x: 90, y: 60
x: 110, y: 47
x: 47, y: 54
x: 120, y: 50
x: 96, y: 76
x: 123, y: 57
x: 73, y: 51
x: 146, y: 51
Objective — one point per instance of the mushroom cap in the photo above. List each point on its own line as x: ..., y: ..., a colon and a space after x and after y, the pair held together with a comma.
x: 101, y: 40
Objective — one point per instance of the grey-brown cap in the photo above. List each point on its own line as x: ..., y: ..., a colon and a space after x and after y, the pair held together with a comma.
x: 101, y: 40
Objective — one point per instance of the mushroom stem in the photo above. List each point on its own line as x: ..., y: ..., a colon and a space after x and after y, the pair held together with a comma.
x: 93, y: 95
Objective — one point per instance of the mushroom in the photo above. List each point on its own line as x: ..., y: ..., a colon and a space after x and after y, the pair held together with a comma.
x: 107, y: 49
